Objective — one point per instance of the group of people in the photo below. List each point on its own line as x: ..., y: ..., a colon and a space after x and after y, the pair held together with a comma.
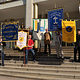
x: 47, y: 42
x: 58, y: 45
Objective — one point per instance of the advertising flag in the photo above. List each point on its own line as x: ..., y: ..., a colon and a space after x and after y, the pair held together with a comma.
x: 69, y: 31
x: 22, y: 39
x: 9, y: 31
x: 54, y: 19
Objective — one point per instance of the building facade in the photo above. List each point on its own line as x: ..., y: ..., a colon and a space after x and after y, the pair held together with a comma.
x: 26, y: 10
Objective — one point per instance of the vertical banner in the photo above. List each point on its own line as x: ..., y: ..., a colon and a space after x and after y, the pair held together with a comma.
x: 69, y: 31
x: 22, y: 39
x: 42, y: 25
x: 54, y: 19
x: 35, y: 24
x: 9, y: 31
x: 46, y: 23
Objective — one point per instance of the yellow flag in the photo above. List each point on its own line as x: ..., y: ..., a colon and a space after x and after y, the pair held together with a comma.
x: 69, y: 31
x: 36, y: 24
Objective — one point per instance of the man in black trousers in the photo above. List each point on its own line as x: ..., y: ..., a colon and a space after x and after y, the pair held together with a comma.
x: 47, y: 41
x: 77, y: 46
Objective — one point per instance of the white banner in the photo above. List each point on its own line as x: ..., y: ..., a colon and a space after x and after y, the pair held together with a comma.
x: 22, y: 39
x: 46, y: 23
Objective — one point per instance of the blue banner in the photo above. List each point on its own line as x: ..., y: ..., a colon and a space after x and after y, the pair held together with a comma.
x: 38, y: 27
x: 54, y: 19
x: 9, y: 32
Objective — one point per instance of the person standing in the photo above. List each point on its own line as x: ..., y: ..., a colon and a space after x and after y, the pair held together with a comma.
x: 77, y: 46
x: 47, y: 41
x: 30, y: 48
x: 2, y: 51
x: 58, y: 44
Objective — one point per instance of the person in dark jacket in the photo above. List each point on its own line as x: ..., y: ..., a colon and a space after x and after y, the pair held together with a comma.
x: 47, y: 41
x: 77, y: 46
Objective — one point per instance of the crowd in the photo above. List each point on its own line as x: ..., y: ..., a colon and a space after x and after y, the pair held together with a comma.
x: 48, y: 42
x: 58, y: 45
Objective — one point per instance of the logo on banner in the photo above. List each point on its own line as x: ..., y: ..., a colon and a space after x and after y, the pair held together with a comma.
x: 68, y: 28
x: 21, y: 39
x: 54, y: 19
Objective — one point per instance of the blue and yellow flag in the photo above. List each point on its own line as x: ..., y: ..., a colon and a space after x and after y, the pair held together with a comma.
x: 9, y: 31
x: 69, y: 31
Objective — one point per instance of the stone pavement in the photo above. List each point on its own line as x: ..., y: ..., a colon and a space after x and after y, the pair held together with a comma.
x: 11, y: 78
